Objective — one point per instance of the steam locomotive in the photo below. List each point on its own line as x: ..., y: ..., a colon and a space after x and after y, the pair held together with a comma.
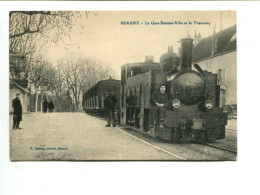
x: 194, y: 113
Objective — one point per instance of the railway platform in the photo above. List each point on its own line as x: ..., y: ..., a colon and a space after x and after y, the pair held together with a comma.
x: 80, y: 137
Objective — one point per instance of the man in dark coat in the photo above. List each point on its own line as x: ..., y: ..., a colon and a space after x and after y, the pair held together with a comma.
x: 17, y: 111
x: 110, y: 103
x: 45, y: 106
x: 51, y: 106
x: 159, y: 100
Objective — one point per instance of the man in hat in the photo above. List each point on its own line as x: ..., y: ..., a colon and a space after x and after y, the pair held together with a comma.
x: 45, y: 106
x: 110, y: 103
x: 159, y: 100
x: 17, y: 111
x: 51, y: 106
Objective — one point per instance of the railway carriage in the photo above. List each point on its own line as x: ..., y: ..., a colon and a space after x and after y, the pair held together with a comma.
x: 93, y: 98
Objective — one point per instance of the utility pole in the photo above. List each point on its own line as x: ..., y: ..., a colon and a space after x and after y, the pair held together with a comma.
x: 220, y: 20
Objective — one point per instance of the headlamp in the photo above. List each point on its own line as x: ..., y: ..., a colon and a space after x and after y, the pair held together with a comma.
x: 209, y: 104
x: 176, y: 103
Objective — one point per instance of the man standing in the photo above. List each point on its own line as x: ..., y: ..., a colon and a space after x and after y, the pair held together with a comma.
x: 110, y: 103
x: 159, y: 100
x: 51, y: 106
x: 45, y: 106
x: 17, y: 111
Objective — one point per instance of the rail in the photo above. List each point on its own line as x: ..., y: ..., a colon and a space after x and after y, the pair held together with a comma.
x: 221, y: 148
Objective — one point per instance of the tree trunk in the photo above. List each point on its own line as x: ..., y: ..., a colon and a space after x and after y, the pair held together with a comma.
x: 36, y: 98
x: 77, y: 106
x: 41, y: 100
x: 59, y: 104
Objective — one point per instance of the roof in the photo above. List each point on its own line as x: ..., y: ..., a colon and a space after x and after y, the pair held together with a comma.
x: 100, y: 82
x: 225, y: 41
x: 139, y: 63
x: 11, y: 82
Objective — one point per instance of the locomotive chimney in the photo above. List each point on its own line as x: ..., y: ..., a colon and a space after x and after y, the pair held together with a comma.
x: 186, y: 53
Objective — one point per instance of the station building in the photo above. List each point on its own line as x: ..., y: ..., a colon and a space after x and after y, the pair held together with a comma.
x: 217, y: 54
x: 24, y: 97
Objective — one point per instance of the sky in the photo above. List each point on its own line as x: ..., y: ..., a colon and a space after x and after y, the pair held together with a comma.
x: 102, y: 37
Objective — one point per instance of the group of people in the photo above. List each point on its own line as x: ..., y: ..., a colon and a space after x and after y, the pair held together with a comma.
x: 159, y: 101
x: 47, y: 105
x: 18, y: 110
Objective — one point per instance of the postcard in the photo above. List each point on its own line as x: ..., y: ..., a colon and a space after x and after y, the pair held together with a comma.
x: 123, y: 85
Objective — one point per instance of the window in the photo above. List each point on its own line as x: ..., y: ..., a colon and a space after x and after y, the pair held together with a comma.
x: 221, y: 75
x: 223, y: 97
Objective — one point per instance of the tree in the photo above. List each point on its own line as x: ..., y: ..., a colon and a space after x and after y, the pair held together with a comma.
x: 41, y: 23
x: 79, y: 74
x: 57, y: 85
x: 30, y: 31
x: 41, y: 76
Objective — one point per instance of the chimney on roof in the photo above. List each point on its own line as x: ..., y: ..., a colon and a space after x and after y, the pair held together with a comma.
x: 197, y: 38
x: 170, y: 49
x: 150, y: 58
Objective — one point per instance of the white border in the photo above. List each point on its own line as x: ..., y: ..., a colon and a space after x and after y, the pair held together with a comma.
x: 145, y: 177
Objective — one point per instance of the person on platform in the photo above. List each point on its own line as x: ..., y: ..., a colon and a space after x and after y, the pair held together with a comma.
x: 17, y: 112
x: 51, y: 106
x: 45, y: 106
x: 159, y: 101
x: 109, y: 104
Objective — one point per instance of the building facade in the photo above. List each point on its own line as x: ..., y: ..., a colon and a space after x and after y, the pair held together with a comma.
x: 217, y: 54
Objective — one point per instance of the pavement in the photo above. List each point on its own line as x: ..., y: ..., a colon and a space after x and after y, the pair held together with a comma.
x: 81, y: 137
x: 76, y: 136
x: 232, y: 124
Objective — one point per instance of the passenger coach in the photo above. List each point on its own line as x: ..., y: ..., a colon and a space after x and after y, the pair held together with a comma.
x: 93, y: 98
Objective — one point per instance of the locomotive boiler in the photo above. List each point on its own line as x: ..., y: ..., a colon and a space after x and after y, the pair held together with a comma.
x: 193, y: 114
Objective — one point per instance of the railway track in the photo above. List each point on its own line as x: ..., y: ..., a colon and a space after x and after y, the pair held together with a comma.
x: 221, y: 148
x: 211, y: 153
x: 187, y: 146
x: 231, y: 130
x: 200, y: 150
x: 195, y: 147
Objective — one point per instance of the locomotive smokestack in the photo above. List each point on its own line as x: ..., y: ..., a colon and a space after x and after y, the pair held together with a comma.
x: 186, y: 53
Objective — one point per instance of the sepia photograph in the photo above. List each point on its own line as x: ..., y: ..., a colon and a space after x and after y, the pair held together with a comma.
x: 123, y: 85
